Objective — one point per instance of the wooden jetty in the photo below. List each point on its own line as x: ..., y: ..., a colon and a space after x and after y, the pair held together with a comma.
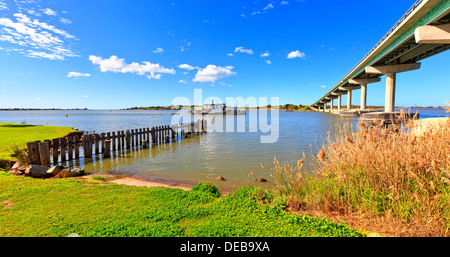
x: 85, y: 145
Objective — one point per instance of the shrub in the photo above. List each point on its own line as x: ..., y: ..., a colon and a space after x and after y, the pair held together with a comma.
x: 207, y: 187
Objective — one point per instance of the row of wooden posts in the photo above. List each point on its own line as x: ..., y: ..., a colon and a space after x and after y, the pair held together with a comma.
x: 68, y: 148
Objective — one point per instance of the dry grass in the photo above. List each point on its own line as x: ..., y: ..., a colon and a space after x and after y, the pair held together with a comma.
x: 383, y: 180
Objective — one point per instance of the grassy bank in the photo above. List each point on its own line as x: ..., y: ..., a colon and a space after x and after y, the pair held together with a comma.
x: 89, y: 207
x: 386, y: 180
x: 12, y: 134
x: 35, y: 207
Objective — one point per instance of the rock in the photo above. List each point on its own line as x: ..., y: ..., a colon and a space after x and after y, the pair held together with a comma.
x: 261, y: 180
x: 17, y: 170
x: 68, y: 173
x: 53, y: 171
x: 36, y: 171
x: 220, y: 178
x: 78, y: 170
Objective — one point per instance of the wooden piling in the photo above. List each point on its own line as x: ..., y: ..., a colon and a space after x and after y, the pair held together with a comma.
x: 44, y: 153
x: 55, y: 149
x: 101, y: 140
x: 70, y: 147
x: 113, y: 139
x: 33, y: 152
x: 107, y: 148
x: 153, y: 133
x: 128, y: 138
x: 62, y: 149
x: 87, y: 146
x: 119, y: 140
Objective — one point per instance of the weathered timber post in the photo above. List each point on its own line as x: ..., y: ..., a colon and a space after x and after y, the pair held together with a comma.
x: 141, y: 134
x: 145, y: 143
x: 153, y: 133
x: 76, y: 140
x: 113, y: 139
x: 96, y: 144
x: 107, y: 148
x: 33, y: 152
x: 102, y: 141
x: 148, y: 134
x: 87, y: 146
x: 128, y: 138
x: 44, y: 153
x: 119, y: 140
x: 132, y: 137
x: 55, y: 144
x: 62, y: 144
x: 70, y: 147
x: 122, y: 132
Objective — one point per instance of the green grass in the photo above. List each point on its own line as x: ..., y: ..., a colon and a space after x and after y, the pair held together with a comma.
x: 57, y: 207
x: 92, y: 208
x: 19, y: 134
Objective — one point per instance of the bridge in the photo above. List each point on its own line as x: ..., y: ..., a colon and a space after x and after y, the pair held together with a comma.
x: 423, y: 31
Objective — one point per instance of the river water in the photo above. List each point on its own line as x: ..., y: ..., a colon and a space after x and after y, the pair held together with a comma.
x: 233, y: 155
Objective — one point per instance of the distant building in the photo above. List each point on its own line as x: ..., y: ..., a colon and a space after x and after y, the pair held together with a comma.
x: 213, y: 108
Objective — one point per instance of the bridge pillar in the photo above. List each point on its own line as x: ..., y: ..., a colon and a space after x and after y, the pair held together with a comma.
x: 391, y: 72
x: 324, y: 107
x: 363, y: 83
x: 389, y: 103
x: 331, y: 105
x: 363, y: 96
x: 349, y: 99
x: 339, y: 102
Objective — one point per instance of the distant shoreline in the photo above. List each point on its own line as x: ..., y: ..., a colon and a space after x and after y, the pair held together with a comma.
x: 168, y: 108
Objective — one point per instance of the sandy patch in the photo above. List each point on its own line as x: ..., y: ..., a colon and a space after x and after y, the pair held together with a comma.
x: 133, y: 181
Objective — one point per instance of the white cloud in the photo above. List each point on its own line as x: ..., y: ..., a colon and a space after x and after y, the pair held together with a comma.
x: 158, y: 50
x: 268, y: 62
x: 3, y: 6
x: 49, y: 12
x: 230, y: 54
x: 212, y: 73
x: 40, y: 39
x: 296, y: 54
x: 266, y: 54
x: 65, y: 21
x: 38, y: 98
x: 84, y: 96
x: 284, y: 2
x: 22, y: 18
x: 117, y: 65
x: 185, y: 66
x: 241, y: 49
x: 323, y: 86
x: 182, y: 81
x: 74, y: 74
x: 269, y: 6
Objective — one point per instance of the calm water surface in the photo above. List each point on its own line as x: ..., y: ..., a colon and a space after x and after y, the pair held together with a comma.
x: 232, y: 155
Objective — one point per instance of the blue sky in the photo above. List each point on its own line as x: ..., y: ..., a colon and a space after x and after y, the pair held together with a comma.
x: 117, y: 54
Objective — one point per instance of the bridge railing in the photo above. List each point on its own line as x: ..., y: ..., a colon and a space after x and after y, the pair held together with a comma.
x: 402, y: 19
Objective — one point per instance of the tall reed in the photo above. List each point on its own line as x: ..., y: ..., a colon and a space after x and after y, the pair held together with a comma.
x: 392, y: 173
